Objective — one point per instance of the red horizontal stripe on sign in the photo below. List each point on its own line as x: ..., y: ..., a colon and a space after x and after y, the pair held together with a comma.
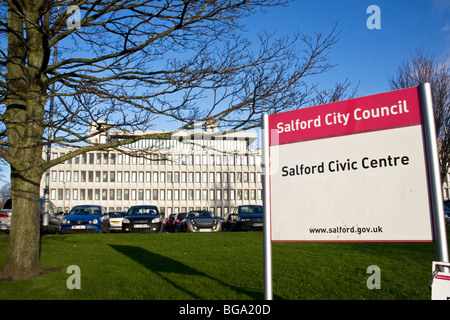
x: 377, y: 112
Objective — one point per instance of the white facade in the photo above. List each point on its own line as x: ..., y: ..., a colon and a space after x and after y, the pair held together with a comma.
x: 216, y: 172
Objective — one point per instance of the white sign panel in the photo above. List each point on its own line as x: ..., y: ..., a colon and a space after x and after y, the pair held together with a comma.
x: 350, y: 171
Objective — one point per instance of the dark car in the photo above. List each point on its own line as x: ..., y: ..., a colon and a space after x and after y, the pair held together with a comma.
x: 170, y: 223
x: 230, y: 222
x: 54, y: 218
x: 180, y: 222
x: 250, y: 217
x: 86, y: 218
x: 447, y: 211
x: 203, y: 221
x: 143, y: 218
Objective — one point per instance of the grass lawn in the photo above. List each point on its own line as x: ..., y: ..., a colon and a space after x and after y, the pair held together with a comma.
x: 226, y: 265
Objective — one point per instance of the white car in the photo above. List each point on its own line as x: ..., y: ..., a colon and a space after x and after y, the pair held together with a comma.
x: 115, y: 220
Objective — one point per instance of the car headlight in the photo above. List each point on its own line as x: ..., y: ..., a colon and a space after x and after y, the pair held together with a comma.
x: 156, y: 220
x: 125, y: 220
x: 245, y: 220
x: 65, y: 221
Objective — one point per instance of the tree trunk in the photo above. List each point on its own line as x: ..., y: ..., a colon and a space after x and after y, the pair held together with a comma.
x: 24, y: 240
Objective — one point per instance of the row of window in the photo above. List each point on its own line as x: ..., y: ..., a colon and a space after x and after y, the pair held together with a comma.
x: 156, y: 194
x: 165, y: 159
x: 155, y: 176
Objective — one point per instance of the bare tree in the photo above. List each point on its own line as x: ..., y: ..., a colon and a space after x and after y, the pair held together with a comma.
x: 128, y: 64
x: 420, y: 69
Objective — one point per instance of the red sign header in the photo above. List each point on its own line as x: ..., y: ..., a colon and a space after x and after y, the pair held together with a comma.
x: 377, y: 112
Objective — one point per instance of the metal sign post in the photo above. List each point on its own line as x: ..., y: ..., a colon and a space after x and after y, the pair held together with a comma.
x: 434, y: 173
x: 266, y: 201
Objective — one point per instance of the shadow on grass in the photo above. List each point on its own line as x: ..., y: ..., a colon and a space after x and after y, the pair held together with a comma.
x: 161, y: 265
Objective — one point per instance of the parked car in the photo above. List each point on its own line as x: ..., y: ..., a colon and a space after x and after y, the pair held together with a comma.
x: 54, y: 219
x: 180, y: 222
x: 230, y: 222
x: 86, y: 218
x: 203, y: 221
x: 115, y: 219
x: 250, y: 217
x: 447, y: 211
x: 170, y: 223
x: 5, y: 216
x: 143, y: 218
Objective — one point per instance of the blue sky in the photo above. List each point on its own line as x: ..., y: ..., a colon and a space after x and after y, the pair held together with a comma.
x: 364, y: 55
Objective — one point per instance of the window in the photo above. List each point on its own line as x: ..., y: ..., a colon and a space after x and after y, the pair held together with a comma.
x: 97, y: 177
x: 82, y: 194
x: 119, y: 194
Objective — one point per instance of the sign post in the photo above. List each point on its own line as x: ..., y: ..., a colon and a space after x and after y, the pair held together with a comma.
x: 364, y: 169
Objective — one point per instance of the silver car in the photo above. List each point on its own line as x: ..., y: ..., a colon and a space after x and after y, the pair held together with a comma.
x: 115, y: 219
x: 5, y: 216
x: 202, y: 221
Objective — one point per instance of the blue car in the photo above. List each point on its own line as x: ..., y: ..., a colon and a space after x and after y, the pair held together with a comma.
x: 143, y: 218
x: 86, y: 218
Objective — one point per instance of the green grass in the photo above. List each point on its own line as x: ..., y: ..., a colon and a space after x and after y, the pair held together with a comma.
x: 221, y: 266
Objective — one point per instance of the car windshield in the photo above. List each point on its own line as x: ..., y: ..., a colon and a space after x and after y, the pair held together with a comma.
x: 85, y: 210
x: 251, y: 209
x: 116, y: 214
x: 199, y: 214
x: 142, y: 211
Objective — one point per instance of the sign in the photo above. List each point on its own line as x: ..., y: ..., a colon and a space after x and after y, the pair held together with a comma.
x: 440, y: 285
x: 353, y: 170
